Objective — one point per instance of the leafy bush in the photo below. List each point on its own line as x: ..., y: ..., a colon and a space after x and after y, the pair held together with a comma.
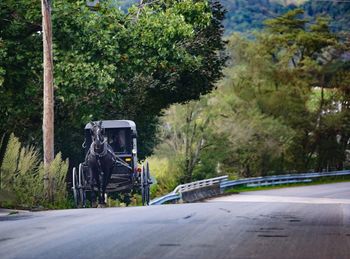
x: 58, y: 172
x: 166, y: 172
x: 21, y: 174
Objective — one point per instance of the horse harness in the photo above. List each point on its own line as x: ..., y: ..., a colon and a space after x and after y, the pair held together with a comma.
x: 105, y: 151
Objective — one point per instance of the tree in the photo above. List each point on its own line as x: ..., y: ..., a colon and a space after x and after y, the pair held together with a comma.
x: 108, y: 64
x: 184, y: 136
x: 310, y: 53
x: 286, y: 72
x: 277, y: 109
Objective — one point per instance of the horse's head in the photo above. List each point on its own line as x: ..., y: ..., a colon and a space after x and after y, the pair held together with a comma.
x: 97, y: 133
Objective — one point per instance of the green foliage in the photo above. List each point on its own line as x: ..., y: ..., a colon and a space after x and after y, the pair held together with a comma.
x: 58, y: 174
x: 337, y: 11
x: 9, y: 165
x: 166, y: 171
x: 21, y: 175
x: 246, y: 16
x: 109, y: 64
x: 294, y: 52
x: 2, y: 70
x: 280, y: 108
x: 249, y: 15
x: 256, y: 141
x: 184, y: 134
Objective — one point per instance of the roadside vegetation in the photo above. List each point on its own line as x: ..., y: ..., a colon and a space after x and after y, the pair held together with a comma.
x: 108, y: 64
x: 22, y: 179
x: 272, y: 101
x: 282, y: 107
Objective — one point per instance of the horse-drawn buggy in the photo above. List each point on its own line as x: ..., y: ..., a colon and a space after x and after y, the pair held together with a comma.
x: 111, y: 165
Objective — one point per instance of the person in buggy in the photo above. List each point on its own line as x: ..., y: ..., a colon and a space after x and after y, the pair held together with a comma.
x: 118, y: 141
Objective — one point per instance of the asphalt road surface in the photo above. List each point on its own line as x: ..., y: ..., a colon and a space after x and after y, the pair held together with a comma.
x: 301, y: 222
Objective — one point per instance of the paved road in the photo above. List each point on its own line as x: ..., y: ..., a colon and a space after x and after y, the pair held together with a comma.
x: 301, y: 222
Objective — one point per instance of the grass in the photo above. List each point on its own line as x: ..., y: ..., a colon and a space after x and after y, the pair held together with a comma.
x: 22, y: 179
x: 325, y: 180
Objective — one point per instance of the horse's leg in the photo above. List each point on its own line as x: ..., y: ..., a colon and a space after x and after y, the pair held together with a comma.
x: 101, y: 190
x: 93, y: 194
x: 127, y: 199
x: 99, y: 178
x: 106, y: 178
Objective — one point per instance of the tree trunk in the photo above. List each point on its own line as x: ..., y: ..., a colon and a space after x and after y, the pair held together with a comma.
x: 48, y: 112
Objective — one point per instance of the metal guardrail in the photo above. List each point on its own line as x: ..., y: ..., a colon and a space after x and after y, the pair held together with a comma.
x: 278, y: 182
x: 256, y: 181
x: 175, y: 195
x: 171, y: 197
x: 200, y: 184
x: 280, y: 179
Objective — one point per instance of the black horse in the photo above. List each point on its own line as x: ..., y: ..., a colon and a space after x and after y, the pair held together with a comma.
x: 100, y: 160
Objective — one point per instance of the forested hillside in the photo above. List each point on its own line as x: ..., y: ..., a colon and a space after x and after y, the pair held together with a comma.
x: 246, y: 15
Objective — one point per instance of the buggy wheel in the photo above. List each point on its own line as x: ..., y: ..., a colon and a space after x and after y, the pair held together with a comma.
x: 148, y: 180
x: 75, y: 188
x: 143, y: 193
x: 82, y: 184
x: 145, y: 185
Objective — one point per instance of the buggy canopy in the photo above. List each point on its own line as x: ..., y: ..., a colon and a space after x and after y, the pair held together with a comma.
x: 116, y: 124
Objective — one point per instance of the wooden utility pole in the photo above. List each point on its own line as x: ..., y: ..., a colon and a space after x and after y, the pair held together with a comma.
x: 48, y: 112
